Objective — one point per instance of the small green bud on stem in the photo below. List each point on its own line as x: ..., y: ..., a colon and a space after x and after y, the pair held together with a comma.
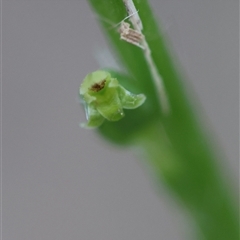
x: 105, y: 98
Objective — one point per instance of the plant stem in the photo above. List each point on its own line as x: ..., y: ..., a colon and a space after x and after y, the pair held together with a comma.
x: 197, y: 186
x: 173, y: 144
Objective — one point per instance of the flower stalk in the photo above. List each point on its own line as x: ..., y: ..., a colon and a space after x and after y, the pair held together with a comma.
x: 174, y: 145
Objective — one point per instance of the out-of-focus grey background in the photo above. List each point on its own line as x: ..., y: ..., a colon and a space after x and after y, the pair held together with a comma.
x: 64, y: 182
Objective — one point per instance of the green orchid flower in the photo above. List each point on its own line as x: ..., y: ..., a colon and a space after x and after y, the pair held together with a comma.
x: 105, y: 98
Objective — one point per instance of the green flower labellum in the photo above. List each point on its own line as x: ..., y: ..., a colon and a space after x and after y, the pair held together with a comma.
x: 105, y: 98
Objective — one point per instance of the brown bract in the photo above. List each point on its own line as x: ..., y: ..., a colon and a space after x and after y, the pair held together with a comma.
x: 130, y: 35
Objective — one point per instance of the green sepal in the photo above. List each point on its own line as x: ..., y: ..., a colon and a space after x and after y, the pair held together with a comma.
x: 110, y: 106
x: 95, y: 119
x: 130, y: 100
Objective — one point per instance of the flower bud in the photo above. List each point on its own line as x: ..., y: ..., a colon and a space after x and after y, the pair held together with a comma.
x: 105, y: 98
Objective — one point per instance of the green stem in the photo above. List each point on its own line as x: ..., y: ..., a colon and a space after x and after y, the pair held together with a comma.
x: 174, y: 144
x: 197, y: 186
